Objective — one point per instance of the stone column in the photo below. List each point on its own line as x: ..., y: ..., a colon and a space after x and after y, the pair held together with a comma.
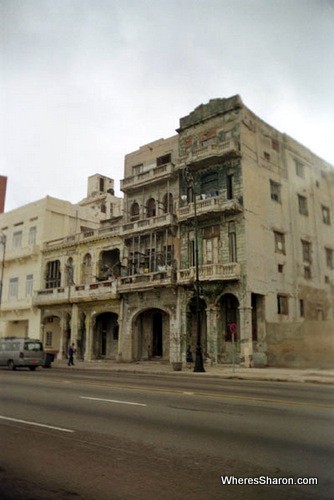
x: 89, y: 338
x: 212, y: 331
x: 62, y: 324
x: 246, y: 342
x: 74, y: 324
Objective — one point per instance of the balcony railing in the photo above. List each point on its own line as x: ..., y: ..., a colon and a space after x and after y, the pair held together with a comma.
x: 210, y: 272
x: 146, y: 280
x: 151, y: 223
x: 214, y: 149
x: 143, y: 178
x: 212, y: 204
x: 91, y: 234
x: 101, y: 290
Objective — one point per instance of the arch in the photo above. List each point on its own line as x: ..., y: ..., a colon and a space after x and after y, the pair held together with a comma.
x: 151, y: 334
x: 134, y: 211
x: 229, y: 304
x: 151, y: 208
x: 168, y: 203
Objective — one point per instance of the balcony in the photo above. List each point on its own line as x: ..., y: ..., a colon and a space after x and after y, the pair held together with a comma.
x: 148, y: 224
x: 210, y: 272
x: 213, y: 150
x: 88, y: 235
x: 141, y: 282
x: 210, y: 205
x: 147, y: 177
x: 102, y: 290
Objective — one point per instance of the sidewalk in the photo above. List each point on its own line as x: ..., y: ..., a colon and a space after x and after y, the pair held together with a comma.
x: 221, y: 371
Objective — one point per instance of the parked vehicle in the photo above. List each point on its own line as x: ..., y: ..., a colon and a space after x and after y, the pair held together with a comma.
x: 21, y: 352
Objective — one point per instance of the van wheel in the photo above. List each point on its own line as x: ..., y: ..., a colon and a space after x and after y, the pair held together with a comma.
x: 11, y: 365
x: 32, y: 368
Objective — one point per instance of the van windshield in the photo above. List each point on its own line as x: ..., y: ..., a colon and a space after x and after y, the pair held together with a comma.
x: 33, y: 346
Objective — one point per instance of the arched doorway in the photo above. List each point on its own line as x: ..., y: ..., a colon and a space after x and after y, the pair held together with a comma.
x: 106, y: 336
x: 151, y: 335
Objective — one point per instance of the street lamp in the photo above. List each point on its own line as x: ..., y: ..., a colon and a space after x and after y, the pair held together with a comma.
x: 199, y: 366
x: 3, y: 243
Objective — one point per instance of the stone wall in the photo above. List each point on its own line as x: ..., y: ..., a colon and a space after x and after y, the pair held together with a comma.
x: 301, y: 345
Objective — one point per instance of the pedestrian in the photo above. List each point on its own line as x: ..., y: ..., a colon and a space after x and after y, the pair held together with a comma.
x: 189, y: 357
x: 71, y: 351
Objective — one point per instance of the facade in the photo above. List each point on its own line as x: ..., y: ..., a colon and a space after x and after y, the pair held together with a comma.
x: 24, y: 231
x: 225, y: 230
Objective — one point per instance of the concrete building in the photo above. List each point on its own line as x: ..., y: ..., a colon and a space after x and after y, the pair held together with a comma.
x: 263, y: 224
x: 77, y: 294
x: 226, y: 229
x: 24, y: 231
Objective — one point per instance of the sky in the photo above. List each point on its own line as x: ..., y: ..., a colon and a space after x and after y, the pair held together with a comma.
x: 84, y: 82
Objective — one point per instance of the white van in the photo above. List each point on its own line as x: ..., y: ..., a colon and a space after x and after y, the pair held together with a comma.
x: 21, y: 352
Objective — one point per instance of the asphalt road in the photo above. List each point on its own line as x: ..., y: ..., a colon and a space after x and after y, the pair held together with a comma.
x: 100, y: 435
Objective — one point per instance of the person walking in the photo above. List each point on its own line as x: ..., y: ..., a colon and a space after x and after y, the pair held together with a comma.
x: 71, y: 351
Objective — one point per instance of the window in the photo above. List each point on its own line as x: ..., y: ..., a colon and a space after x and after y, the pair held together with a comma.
x: 302, y: 204
x: 301, y: 308
x: 53, y: 274
x: 307, y: 272
x: 211, y: 251
x: 32, y: 235
x: 232, y: 241
x: 275, y: 144
x: 280, y: 268
x: 168, y: 203
x: 300, y: 171
x: 48, y: 339
x: 29, y: 284
x: 192, y: 253
x: 329, y: 258
x: 229, y: 186
x: 134, y: 211
x: 306, y: 250
x: 282, y: 304
x: 279, y: 242
x: 326, y: 218
x: 151, y: 208
x: 163, y: 160
x: 101, y: 184
x: 137, y: 169
x: 17, y: 239
x: 266, y: 155
x: 13, y: 288
x: 275, y: 191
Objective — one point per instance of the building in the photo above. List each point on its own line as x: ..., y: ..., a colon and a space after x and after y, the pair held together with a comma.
x: 259, y: 206
x: 3, y: 189
x: 225, y: 234
x: 24, y: 231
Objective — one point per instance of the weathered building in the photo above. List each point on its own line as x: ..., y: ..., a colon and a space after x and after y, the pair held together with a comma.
x: 225, y: 230
x: 257, y: 206
x: 23, y: 233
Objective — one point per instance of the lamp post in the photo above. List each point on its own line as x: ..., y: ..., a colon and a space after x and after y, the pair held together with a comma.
x: 199, y: 366
x: 3, y: 243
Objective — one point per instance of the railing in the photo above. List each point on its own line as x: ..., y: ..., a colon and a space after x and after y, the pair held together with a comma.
x: 213, y: 149
x: 76, y: 293
x: 150, y: 175
x: 210, y: 204
x: 146, y: 280
x: 74, y: 239
x: 151, y: 223
x: 210, y: 272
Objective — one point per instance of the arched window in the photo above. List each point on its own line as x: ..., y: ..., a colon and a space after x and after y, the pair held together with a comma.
x: 151, y: 208
x: 168, y: 203
x: 134, y: 211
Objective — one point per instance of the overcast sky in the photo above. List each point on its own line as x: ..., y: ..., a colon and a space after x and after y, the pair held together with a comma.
x: 83, y: 82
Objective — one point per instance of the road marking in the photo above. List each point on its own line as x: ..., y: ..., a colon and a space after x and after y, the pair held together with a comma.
x: 187, y: 393
x: 35, y: 423
x: 113, y: 401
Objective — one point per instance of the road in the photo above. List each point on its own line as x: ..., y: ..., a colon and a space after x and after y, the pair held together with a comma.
x: 101, y: 435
